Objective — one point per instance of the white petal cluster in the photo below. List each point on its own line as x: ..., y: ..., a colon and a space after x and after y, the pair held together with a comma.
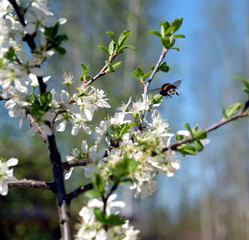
x: 78, y: 109
x: 18, y: 68
x: 6, y: 174
x: 144, y: 144
x: 90, y: 228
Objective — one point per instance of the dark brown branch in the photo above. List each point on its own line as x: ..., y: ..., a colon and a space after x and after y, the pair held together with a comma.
x: 79, y: 191
x: 31, y: 184
x: 68, y: 165
x: 18, y: 13
x: 241, y: 114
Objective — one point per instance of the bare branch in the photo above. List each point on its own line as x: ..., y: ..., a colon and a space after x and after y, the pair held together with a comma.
x: 31, y: 184
x: 68, y: 165
x: 79, y: 191
x: 147, y: 85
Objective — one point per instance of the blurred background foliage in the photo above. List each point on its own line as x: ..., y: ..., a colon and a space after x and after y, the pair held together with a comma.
x: 208, y: 199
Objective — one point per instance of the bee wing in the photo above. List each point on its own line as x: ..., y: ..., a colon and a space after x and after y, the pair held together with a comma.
x: 155, y: 91
x: 177, y: 83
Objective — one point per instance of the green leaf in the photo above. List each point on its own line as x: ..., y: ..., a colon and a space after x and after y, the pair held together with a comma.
x: 124, y: 36
x: 85, y: 71
x: 37, y: 110
x: 198, y: 145
x: 60, y: 38
x: 155, y: 33
x: 124, y: 168
x: 109, y: 67
x: 200, y: 135
x: 112, y: 48
x: 60, y: 50
x: 172, y: 42
x: 98, y: 182
x: 132, y: 124
x: 187, y: 126
x: 179, y: 36
x: 1, y: 62
x: 177, y: 23
x: 169, y: 31
x: 126, y: 46
x: 187, y: 150
x: 10, y: 54
x: 164, y: 67
x: 179, y: 137
x: 92, y: 193
x: 99, y: 214
x: 138, y: 73
x: 164, y: 26
x: 232, y: 110
x: 158, y: 98
x: 103, y: 48
x: 176, y: 48
x: 195, y: 129
x: 246, y: 87
x: 146, y: 75
x: 242, y: 80
x: 126, y: 181
x: 46, y: 98
x: 116, y: 65
x: 114, y: 220
x: 113, y: 37
x: 166, y: 42
x: 124, y: 130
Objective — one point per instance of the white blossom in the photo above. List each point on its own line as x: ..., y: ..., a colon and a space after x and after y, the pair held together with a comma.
x: 6, y: 174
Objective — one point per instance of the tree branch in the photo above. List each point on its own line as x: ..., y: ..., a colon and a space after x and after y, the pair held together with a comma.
x: 68, y: 165
x: 102, y: 72
x: 31, y: 184
x: 79, y: 191
x: 215, y: 126
x: 147, y: 85
x: 18, y: 13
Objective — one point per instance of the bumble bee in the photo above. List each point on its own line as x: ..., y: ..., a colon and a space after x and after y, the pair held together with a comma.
x: 168, y: 89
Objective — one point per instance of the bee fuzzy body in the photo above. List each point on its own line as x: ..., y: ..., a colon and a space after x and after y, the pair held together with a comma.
x: 168, y: 89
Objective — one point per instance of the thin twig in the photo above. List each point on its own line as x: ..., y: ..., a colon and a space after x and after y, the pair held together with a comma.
x: 241, y: 114
x: 79, y: 191
x: 102, y: 72
x: 147, y: 85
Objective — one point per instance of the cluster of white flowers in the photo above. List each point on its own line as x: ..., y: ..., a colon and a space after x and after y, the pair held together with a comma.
x: 79, y: 108
x: 126, y: 140
x: 18, y: 68
x: 90, y: 228
x: 6, y: 174
x: 137, y: 132
x: 143, y: 145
